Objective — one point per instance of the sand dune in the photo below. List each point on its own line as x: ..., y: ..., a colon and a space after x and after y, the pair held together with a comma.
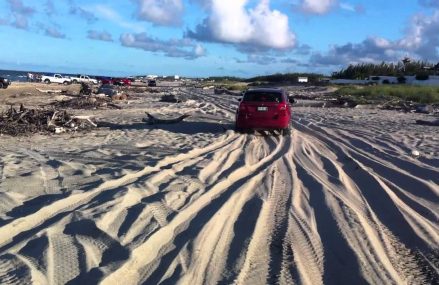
x: 340, y: 201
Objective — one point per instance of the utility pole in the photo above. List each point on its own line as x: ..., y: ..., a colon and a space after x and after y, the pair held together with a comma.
x: 405, y: 61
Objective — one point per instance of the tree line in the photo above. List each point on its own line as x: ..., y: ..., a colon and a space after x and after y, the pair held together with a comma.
x: 404, y: 68
x: 421, y: 69
x: 286, y: 77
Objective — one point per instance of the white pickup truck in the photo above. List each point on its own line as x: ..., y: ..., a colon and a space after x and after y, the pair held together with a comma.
x: 83, y: 78
x: 56, y: 78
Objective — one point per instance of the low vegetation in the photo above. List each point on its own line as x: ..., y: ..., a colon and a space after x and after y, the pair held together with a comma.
x: 235, y: 87
x: 228, y: 83
x: 370, y: 94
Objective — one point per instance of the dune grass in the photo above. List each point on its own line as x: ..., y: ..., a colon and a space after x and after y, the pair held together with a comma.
x: 419, y: 94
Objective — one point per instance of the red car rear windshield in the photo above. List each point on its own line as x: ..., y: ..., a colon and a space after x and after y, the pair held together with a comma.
x: 262, y: 97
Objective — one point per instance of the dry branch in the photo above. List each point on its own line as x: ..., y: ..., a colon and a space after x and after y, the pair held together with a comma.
x: 49, y: 91
x: 27, y: 121
x: 151, y: 120
x: 87, y: 103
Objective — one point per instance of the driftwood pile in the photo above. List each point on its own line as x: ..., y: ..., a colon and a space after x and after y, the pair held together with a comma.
x: 141, y: 90
x: 23, y: 121
x: 221, y: 91
x: 86, y: 89
x: 410, y: 107
x: 398, y: 105
x: 428, y: 123
x: 170, y: 98
x: 87, y: 103
x: 153, y: 90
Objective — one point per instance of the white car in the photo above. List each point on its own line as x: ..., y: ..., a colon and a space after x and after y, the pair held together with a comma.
x: 84, y: 78
x: 56, y: 78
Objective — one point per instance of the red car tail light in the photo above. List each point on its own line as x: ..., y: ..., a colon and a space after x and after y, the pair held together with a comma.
x: 282, y: 109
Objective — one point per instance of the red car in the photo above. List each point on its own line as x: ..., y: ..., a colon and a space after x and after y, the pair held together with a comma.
x: 264, y: 109
x: 121, y: 81
x: 106, y: 80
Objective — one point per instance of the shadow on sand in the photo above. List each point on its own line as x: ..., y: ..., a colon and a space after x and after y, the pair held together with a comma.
x: 188, y: 128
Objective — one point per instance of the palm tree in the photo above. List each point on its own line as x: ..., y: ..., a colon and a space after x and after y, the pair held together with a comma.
x: 406, y: 60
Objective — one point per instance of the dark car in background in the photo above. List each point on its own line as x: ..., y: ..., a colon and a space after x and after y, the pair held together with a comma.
x: 264, y: 109
x: 4, y: 83
x: 152, y: 83
x: 105, y: 80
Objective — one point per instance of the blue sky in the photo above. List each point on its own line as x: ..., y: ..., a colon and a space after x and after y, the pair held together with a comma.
x: 213, y: 37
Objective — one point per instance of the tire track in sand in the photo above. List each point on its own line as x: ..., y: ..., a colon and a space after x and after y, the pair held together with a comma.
x: 23, y: 224
x: 159, y: 244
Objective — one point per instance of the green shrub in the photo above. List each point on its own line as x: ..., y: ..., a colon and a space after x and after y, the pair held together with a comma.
x: 237, y: 87
x: 375, y: 94
x: 402, y: 80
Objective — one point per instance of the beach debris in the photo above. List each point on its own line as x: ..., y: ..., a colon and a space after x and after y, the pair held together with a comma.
x: 222, y: 91
x: 87, y: 103
x: 170, y: 98
x: 86, y: 89
x: 428, y: 123
x: 23, y: 121
x: 49, y: 91
x: 153, y: 90
x: 399, y: 105
x: 415, y: 153
x: 114, y: 92
x: 151, y: 120
x: 109, y: 90
x: 425, y: 109
x: 59, y: 130
x: 119, y: 97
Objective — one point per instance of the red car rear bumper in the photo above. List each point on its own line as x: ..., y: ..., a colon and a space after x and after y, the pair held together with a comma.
x: 247, y: 122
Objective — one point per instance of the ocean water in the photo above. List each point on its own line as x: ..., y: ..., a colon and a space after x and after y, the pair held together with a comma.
x: 21, y: 76
x: 17, y: 76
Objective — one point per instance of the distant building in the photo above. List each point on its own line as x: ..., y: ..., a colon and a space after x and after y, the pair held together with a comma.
x: 176, y: 77
x: 302, y: 79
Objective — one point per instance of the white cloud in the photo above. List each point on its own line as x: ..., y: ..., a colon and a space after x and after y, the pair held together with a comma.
x: 421, y: 41
x: 422, y: 36
x: 231, y: 22
x: 54, y: 33
x: 199, y: 50
x: 317, y: 6
x: 109, y: 14
x: 430, y: 3
x: 347, y: 7
x: 99, y: 36
x: 161, y: 12
x: 21, y: 22
x: 184, y: 48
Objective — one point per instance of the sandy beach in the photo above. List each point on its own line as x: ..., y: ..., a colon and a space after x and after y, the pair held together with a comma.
x: 343, y: 200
